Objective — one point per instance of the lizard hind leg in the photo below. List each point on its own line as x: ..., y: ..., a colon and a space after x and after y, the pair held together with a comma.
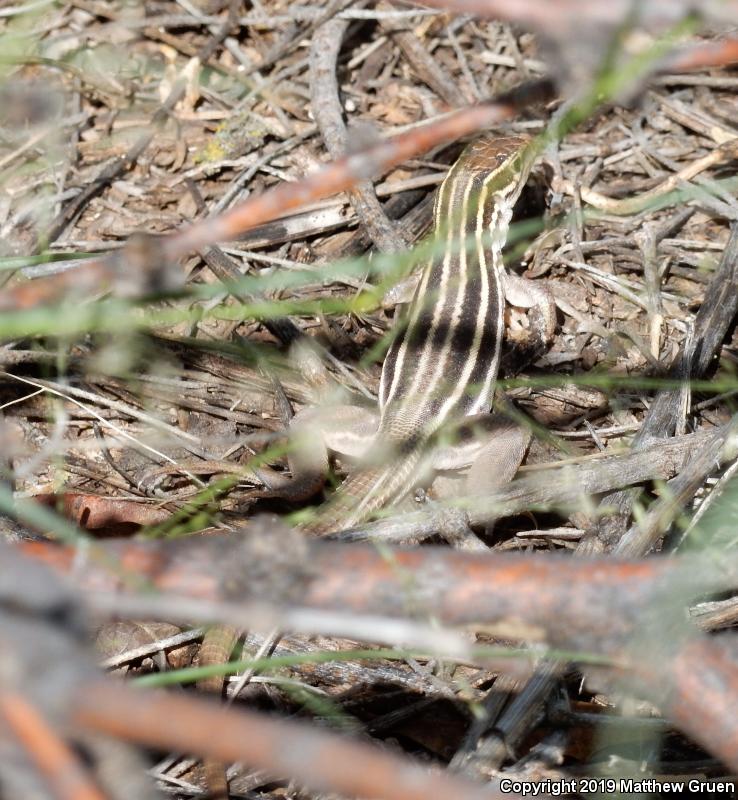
x: 486, y: 456
x: 346, y: 430
x: 498, y: 459
x: 315, y: 433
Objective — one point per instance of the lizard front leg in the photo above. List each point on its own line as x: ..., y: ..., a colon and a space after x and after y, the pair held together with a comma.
x: 531, y: 295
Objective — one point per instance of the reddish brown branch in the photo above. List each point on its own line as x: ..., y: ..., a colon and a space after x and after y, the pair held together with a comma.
x: 704, y: 55
x: 139, y: 269
x: 631, y: 611
x: 563, y: 16
x: 133, y: 271
x: 593, y: 605
x: 315, y: 758
x: 701, y: 696
x: 351, y: 169
x: 57, y: 763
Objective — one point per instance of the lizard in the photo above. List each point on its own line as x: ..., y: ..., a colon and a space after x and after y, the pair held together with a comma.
x: 441, y: 368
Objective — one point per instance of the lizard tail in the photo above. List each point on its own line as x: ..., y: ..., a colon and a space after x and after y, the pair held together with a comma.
x: 362, y: 494
x: 216, y: 648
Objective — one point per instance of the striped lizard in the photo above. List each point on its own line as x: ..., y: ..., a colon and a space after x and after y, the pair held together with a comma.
x: 440, y: 369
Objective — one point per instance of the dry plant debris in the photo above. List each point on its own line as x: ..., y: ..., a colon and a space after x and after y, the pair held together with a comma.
x: 152, y: 400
